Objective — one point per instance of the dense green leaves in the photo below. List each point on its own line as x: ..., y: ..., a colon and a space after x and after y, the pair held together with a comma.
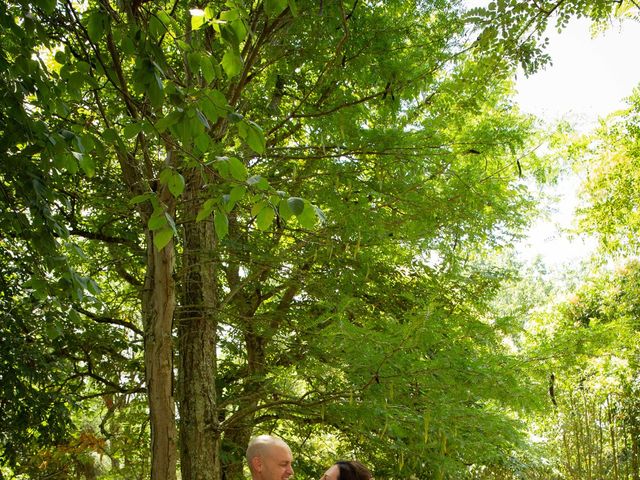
x: 611, y: 160
x: 315, y: 187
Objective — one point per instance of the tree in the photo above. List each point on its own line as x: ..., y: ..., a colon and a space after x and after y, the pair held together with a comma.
x: 609, y: 192
x: 590, y: 349
x: 289, y: 200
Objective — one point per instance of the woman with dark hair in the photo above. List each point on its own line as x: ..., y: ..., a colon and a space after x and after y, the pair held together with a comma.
x: 352, y: 470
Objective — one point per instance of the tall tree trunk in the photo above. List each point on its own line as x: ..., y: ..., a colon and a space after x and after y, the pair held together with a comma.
x: 635, y: 452
x: 588, y: 441
x: 614, y: 444
x: 158, y: 310
x: 600, y: 471
x: 197, y: 332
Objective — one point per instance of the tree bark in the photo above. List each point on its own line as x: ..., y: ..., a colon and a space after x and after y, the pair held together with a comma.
x: 158, y: 307
x: 197, y: 333
x: 614, y: 444
x: 635, y: 453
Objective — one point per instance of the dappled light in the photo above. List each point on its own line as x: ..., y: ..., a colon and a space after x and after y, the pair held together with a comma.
x: 309, y: 219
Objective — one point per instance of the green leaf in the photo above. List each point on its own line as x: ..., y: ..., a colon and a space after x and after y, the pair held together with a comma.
x: 238, y: 170
x: 296, y: 205
x: 203, y: 142
x: 258, y: 181
x: 234, y: 117
x: 131, y: 130
x: 293, y: 7
x: 53, y: 330
x: 237, y: 193
x: 173, y: 180
x: 61, y: 57
x: 88, y: 142
x: 265, y: 218
x: 141, y: 198
x: 82, y: 67
x: 76, y: 83
x: 127, y: 45
x: 171, y: 223
x: 165, y: 18
x: 219, y: 100
x: 97, y: 25
x: 221, y: 224
x: 257, y: 208
x: 206, y: 67
x: 253, y: 135
x: 186, y: 47
x: 231, y: 63
x: 156, y: 90
x: 38, y: 285
x: 209, y: 12
x: 165, y: 175
x: 240, y: 29
x: 229, y: 15
x: 320, y: 214
x: 205, y: 210
x: 222, y: 165
x: 307, y: 217
x: 273, y: 8
x: 210, y: 110
x: 156, y: 27
x: 88, y: 165
x: 162, y: 237
x: 64, y: 161
x: 176, y: 184
x: 92, y: 287
x: 197, y: 18
x: 110, y: 136
x: 157, y: 220
x: 193, y: 59
x: 47, y: 5
x: 229, y: 36
x: 202, y: 119
x: 169, y: 120
x: 283, y: 209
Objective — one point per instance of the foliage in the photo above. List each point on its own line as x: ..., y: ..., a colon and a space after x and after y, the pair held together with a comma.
x: 516, y: 30
x: 593, y: 375
x: 328, y: 180
x: 610, y: 191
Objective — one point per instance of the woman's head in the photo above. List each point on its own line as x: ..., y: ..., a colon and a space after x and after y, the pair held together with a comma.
x: 351, y: 470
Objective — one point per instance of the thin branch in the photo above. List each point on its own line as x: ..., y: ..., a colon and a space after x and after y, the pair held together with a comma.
x: 102, y: 237
x: 109, y: 320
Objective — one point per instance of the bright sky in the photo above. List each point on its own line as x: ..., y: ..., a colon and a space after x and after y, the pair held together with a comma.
x: 589, y: 78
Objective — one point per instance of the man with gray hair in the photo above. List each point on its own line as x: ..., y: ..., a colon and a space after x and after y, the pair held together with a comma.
x: 269, y: 458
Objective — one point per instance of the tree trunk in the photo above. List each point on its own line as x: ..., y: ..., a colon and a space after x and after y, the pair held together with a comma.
x: 635, y: 453
x: 197, y: 332
x: 238, y: 437
x: 158, y: 310
x: 614, y: 445
x: 588, y: 441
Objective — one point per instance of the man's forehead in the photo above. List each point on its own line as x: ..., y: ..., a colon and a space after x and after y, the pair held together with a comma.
x: 280, y: 449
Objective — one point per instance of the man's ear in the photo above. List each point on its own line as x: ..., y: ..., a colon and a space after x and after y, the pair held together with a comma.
x: 256, y: 462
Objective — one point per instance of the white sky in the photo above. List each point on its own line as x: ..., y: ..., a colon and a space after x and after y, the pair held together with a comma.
x: 589, y: 78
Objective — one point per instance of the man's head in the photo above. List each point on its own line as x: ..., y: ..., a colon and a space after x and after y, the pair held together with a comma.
x: 269, y: 458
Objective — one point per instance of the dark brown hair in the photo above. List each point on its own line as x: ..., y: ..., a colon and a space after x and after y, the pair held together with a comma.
x: 353, y: 470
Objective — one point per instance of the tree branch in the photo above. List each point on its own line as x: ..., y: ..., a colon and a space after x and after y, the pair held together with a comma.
x: 109, y: 320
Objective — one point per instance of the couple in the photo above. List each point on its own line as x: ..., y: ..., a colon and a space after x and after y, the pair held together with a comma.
x: 270, y: 458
